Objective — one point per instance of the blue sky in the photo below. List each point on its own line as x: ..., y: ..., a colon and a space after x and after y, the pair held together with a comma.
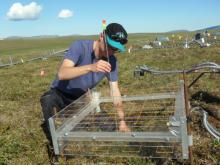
x: 41, y: 17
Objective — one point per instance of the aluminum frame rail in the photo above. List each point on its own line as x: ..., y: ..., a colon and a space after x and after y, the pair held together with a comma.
x: 177, y: 124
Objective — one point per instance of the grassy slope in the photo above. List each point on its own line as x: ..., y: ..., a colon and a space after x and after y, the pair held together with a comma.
x: 22, y: 140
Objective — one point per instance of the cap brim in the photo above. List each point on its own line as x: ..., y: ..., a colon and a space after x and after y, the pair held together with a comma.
x: 115, y: 44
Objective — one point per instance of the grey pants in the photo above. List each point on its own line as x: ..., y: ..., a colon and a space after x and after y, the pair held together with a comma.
x: 52, y: 102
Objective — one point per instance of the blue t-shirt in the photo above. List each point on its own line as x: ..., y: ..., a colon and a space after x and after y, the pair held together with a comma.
x: 81, y: 53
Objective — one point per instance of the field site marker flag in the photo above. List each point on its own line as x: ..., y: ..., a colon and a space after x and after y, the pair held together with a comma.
x: 129, y: 49
x: 42, y: 73
x: 103, y: 24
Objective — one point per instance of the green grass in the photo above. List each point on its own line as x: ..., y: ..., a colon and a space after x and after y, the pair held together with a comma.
x: 22, y: 140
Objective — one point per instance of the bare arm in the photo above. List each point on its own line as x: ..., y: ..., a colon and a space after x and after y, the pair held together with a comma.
x: 68, y: 70
x: 117, y: 101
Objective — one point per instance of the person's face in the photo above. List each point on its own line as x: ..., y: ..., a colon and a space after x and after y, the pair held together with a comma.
x: 108, y: 49
x: 104, y: 48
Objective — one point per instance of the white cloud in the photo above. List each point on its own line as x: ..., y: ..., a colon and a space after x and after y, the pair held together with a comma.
x: 65, y: 13
x: 19, y: 12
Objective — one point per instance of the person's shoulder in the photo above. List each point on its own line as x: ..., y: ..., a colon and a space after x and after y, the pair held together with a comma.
x: 86, y: 42
x: 76, y: 42
x: 81, y: 42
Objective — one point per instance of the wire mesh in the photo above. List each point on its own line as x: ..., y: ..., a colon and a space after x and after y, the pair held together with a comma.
x: 141, y: 115
x: 153, y: 112
x: 71, y: 111
x: 124, y: 149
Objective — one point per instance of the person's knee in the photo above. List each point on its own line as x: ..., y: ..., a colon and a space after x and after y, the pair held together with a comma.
x: 51, y: 103
x: 47, y: 103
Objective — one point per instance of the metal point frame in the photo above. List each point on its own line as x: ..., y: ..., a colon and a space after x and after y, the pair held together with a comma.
x: 63, y: 127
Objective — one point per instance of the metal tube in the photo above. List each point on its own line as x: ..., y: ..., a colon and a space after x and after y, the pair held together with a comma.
x: 187, y: 116
x: 210, y: 129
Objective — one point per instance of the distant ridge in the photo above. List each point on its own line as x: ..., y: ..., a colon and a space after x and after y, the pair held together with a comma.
x: 38, y: 37
x: 32, y: 37
x: 208, y: 28
x: 178, y: 31
x: 212, y: 28
x: 13, y: 37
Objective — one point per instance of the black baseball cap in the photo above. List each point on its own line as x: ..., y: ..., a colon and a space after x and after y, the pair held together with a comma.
x: 116, y: 36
